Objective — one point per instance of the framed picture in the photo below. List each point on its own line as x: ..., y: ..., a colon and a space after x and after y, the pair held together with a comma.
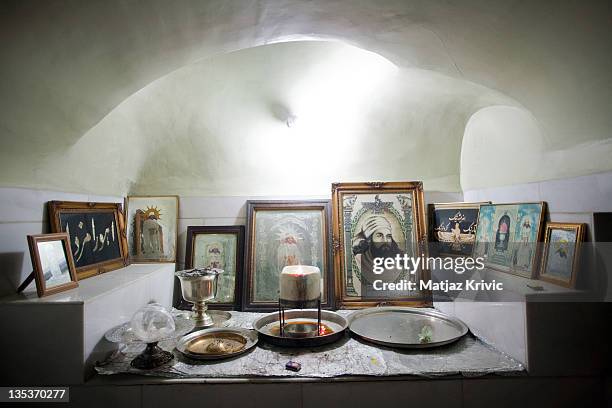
x: 560, y: 258
x: 52, y: 263
x: 281, y: 233
x: 452, y: 227
x: 152, y: 228
x: 222, y: 248
x: 96, y: 232
x: 508, y: 235
x: 372, y: 220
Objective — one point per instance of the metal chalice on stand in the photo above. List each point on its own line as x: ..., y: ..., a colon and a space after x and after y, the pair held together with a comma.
x: 198, y: 286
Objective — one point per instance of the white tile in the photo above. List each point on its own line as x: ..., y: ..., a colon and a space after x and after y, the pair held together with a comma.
x: 20, y: 204
x: 512, y: 194
x: 225, y: 221
x: 579, y: 194
x: 604, y: 183
x: 117, y: 306
x: 227, y: 207
x: 501, y: 324
x: 472, y: 196
x: 15, y: 255
x: 445, y: 307
x: 442, y: 197
x: 212, y: 207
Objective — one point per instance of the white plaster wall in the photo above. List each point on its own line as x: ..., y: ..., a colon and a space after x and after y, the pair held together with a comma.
x: 218, y: 127
x: 67, y: 64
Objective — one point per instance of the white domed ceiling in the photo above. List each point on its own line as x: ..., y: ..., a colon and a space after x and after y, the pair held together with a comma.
x: 164, y: 97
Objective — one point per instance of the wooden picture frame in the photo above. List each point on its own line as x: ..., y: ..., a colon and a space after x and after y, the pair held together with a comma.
x: 221, y: 246
x: 508, y: 235
x: 84, y: 240
x: 561, y: 248
x: 449, y: 240
x: 49, y: 265
x: 159, y: 215
x: 401, y: 204
x: 279, y: 233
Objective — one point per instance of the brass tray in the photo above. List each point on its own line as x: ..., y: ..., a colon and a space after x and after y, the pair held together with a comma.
x: 406, y: 327
x: 217, y: 343
x: 268, y: 327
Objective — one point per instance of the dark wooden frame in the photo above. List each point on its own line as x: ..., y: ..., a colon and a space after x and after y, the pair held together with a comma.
x: 580, y: 229
x: 161, y: 260
x: 41, y: 287
x: 338, y: 191
x: 536, y: 258
x: 284, y: 205
x: 55, y: 208
x: 237, y: 230
x: 432, y: 207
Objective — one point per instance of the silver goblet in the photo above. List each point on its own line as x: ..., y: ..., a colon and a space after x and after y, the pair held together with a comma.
x: 197, y: 287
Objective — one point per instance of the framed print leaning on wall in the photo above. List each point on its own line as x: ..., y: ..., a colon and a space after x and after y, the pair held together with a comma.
x: 453, y: 227
x: 152, y: 228
x: 52, y: 263
x: 561, y: 256
x: 221, y: 248
x: 508, y: 235
x: 373, y: 220
x: 282, y: 233
x: 96, y: 232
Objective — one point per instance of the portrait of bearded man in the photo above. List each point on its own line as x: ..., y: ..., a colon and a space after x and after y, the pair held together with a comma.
x: 375, y: 240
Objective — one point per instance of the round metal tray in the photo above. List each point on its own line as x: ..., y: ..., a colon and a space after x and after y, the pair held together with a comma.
x: 406, y: 327
x: 267, y: 327
x: 247, y: 337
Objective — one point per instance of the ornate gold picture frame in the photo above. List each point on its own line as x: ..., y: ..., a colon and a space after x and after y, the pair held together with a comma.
x: 96, y: 232
x: 152, y: 228
x: 561, y: 254
x: 357, y: 211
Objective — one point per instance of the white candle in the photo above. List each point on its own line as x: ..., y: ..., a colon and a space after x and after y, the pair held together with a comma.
x: 300, y: 283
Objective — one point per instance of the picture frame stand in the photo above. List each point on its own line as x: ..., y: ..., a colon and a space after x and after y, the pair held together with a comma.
x: 26, y: 282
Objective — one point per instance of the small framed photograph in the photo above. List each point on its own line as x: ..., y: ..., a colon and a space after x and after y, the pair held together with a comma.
x: 282, y: 233
x: 96, y: 232
x: 452, y: 227
x: 152, y: 228
x: 560, y: 258
x: 508, y: 235
x: 222, y: 248
x: 52, y: 263
x: 371, y: 221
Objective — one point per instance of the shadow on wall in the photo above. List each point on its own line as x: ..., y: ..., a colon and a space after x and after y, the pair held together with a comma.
x: 12, y: 265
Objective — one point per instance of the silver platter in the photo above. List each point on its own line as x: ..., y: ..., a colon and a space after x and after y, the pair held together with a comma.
x: 268, y: 325
x: 125, y: 335
x: 248, y: 338
x: 406, y: 327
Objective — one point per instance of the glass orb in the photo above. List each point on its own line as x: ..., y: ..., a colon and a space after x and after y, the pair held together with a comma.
x: 152, y: 323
